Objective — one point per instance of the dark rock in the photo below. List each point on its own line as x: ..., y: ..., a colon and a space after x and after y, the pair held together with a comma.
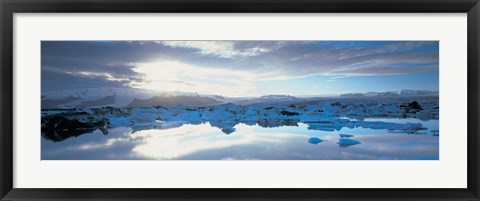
x: 415, y: 105
x: 287, y: 113
x: 336, y: 104
x: 58, y: 128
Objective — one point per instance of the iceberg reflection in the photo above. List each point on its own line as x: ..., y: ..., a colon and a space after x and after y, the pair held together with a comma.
x: 248, y: 142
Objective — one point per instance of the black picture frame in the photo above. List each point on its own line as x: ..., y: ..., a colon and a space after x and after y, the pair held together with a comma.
x: 9, y: 7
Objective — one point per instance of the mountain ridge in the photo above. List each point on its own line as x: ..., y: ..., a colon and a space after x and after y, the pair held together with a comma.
x: 130, y: 97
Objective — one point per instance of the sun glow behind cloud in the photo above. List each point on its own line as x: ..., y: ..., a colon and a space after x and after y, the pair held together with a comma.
x: 176, y: 76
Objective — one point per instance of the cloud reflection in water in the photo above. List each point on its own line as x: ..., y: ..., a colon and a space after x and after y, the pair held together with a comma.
x: 204, y: 142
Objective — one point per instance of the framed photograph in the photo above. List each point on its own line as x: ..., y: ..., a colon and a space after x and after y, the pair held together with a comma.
x: 239, y: 100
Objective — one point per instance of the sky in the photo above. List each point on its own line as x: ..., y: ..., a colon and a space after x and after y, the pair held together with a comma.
x: 242, y: 68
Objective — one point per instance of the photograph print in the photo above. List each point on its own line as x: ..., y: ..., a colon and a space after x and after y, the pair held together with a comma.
x: 239, y: 100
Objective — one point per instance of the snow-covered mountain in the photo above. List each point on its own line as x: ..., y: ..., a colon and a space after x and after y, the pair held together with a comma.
x: 172, y: 101
x: 418, y: 92
x: 124, y: 97
x: 403, y: 93
x: 130, y: 97
x: 93, y: 97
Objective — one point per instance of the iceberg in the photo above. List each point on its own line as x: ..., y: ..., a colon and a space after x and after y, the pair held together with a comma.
x: 343, y: 142
x: 228, y: 130
x: 323, y: 115
x: 345, y: 135
x: 314, y: 140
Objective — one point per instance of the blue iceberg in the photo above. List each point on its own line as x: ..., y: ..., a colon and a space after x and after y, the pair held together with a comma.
x: 343, y: 142
x: 314, y: 140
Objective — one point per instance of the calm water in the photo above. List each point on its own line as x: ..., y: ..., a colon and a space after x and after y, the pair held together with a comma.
x: 204, y: 142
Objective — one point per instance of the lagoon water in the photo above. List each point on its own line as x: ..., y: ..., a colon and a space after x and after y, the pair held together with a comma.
x: 204, y: 142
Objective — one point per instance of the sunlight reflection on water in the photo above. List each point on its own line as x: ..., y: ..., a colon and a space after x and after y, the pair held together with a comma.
x: 204, y: 142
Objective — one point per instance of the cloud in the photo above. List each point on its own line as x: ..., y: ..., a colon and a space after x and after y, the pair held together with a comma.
x: 229, y: 63
x: 295, y: 59
x: 372, y: 70
x: 106, y: 76
x: 307, y: 59
x: 224, y: 49
x: 51, y: 81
